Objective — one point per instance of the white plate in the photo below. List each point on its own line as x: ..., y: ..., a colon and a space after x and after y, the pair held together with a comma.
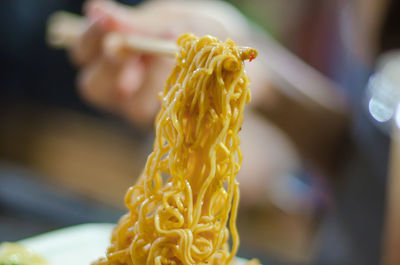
x: 78, y: 245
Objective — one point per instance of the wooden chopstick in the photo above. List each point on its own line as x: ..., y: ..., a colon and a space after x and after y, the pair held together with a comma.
x: 64, y: 29
x: 142, y: 44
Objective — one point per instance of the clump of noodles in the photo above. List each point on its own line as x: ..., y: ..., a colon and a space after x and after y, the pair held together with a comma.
x: 187, y: 195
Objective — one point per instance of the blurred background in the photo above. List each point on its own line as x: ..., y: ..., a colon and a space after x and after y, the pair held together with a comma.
x: 313, y: 179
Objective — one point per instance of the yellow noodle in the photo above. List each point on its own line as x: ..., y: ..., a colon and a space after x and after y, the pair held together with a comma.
x: 185, y: 202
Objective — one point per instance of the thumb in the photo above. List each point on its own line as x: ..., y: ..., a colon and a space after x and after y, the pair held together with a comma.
x: 111, y: 16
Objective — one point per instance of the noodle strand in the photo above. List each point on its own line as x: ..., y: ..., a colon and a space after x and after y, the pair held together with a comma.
x: 187, y: 196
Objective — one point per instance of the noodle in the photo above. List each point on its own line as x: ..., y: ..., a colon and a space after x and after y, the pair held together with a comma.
x: 187, y: 195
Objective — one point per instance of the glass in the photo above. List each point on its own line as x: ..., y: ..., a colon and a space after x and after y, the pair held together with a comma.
x: 383, y: 97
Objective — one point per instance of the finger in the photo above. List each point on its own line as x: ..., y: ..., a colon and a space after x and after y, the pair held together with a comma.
x: 102, y: 17
x: 131, y: 76
x: 89, y: 45
x: 97, y: 81
x: 142, y: 107
x: 114, y: 17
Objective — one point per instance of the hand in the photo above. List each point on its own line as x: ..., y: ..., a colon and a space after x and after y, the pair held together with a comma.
x: 128, y: 84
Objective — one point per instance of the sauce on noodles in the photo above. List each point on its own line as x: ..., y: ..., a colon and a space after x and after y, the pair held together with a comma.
x: 185, y: 202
